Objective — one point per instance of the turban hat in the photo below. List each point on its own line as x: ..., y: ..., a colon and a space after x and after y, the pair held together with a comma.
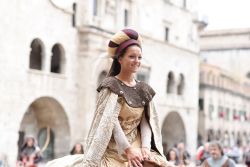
x: 121, y: 40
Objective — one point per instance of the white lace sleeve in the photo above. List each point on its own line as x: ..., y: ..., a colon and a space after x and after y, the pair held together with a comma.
x: 145, y: 132
x: 120, y: 138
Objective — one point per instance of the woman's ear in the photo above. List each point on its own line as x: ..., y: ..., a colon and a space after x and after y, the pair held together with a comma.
x: 120, y: 60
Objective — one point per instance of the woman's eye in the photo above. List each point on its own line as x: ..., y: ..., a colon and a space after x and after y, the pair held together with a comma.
x: 139, y: 57
x: 132, y: 57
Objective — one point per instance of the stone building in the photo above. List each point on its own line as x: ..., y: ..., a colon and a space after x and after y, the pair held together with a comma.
x: 225, y: 87
x: 53, y: 56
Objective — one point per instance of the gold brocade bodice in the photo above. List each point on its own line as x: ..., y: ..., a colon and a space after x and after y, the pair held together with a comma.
x: 129, y: 119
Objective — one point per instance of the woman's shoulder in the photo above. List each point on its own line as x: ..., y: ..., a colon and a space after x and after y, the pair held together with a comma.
x: 145, y: 87
x: 110, y: 83
x: 135, y: 96
x: 115, y: 85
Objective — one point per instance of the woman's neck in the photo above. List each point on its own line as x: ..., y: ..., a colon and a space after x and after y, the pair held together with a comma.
x: 126, y: 78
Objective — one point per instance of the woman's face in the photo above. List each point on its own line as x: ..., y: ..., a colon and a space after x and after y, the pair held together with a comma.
x: 30, y: 142
x: 78, y: 148
x: 172, y: 155
x: 131, y: 60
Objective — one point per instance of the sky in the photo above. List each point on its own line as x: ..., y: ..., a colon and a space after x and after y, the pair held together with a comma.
x: 226, y: 14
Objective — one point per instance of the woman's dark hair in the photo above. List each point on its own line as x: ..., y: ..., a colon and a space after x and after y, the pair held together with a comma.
x: 176, y: 155
x: 25, y: 143
x: 73, y: 151
x: 116, y: 67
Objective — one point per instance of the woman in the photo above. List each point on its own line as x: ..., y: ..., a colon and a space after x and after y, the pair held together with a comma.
x: 125, y: 126
x: 172, y: 156
x: 30, y: 153
x: 77, y: 149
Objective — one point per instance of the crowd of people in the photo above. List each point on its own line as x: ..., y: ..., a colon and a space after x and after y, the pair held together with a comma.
x: 211, y: 154
x: 236, y: 154
x: 30, y: 154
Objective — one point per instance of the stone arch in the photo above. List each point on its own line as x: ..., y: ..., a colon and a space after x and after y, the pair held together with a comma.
x: 173, y: 130
x: 57, y: 64
x: 36, y: 54
x: 181, y: 85
x: 43, y: 113
x: 170, y: 82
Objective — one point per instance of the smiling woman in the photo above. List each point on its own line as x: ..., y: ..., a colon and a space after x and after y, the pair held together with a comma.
x: 125, y: 130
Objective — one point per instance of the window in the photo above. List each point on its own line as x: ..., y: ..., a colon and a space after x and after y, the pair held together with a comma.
x: 170, y: 83
x: 95, y: 7
x: 211, y: 111
x: 125, y: 17
x: 221, y: 113
x: 180, y: 87
x: 74, y: 15
x: 227, y: 114
x: 166, y: 34
x: 36, y: 54
x: 201, y: 104
x: 57, y: 59
x: 184, y: 3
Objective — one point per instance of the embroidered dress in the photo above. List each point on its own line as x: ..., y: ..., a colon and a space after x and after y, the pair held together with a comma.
x: 117, y: 102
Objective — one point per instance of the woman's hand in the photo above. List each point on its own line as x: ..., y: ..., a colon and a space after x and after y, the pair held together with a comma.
x: 145, y: 153
x: 134, y: 157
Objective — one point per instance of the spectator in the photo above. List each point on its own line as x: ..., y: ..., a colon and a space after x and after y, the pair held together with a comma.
x: 3, y: 160
x: 77, y: 149
x: 217, y: 159
x: 172, y: 156
x: 202, y: 153
x: 30, y: 153
x: 184, y: 156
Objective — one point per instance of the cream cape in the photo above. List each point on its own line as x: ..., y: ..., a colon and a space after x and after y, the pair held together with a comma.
x: 100, y: 132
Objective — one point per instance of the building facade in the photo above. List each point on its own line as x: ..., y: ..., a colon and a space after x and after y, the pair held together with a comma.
x: 225, y: 87
x: 53, y: 56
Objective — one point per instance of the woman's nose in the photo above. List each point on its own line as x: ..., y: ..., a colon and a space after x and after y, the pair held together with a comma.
x: 137, y: 59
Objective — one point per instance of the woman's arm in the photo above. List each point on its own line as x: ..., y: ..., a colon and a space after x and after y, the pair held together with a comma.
x: 120, y: 138
x: 145, y: 132
x: 134, y: 155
